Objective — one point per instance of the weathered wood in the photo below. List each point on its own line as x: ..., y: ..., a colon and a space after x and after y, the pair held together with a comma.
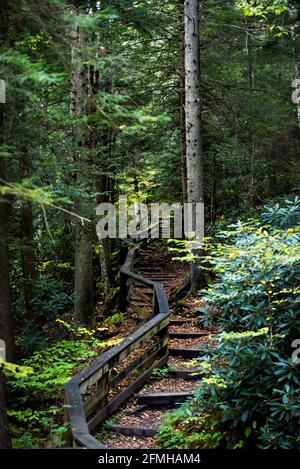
x: 186, y: 352
x: 116, y: 354
x: 139, y: 363
x: 120, y: 398
x: 163, y: 398
x: 134, y: 430
x: 142, y: 312
x: 136, y: 294
x: 100, y: 372
x: 186, y: 374
x: 175, y: 322
x: 187, y: 335
x: 97, y: 399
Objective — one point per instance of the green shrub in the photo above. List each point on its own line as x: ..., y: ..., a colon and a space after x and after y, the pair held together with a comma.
x: 253, y: 390
x: 258, y: 279
x: 283, y: 215
x: 116, y: 318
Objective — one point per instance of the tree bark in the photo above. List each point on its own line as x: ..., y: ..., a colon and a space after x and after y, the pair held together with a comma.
x: 213, y: 192
x: 296, y: 17
x: 83, y: 282
x: 194, y: 151
x: 104, y: 186
x: 251, y: 82
x: 182, y: 111
x: 5, y: 441
x: 83, y: 262
x: 107, y: 275
x: 6, y: 323
x: 28, y: 257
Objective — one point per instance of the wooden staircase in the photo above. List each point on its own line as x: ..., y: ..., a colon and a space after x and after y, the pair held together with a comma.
x: 149, y: 373
x: 134, y: 425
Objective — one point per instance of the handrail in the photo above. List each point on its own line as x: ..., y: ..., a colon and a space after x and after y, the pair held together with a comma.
x: 85, y: 417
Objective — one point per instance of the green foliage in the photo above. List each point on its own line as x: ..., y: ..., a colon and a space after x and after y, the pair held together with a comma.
x: 285, y: 214
x: 17, y: 371
x: 160, y: 372
x: 116, y: 318
x: 258, y: 271
x: 253, y: 386
x: 34, y: 428
x: 131, y: 142
x: 183, y: 430
x: 36, y: 410
x: 30, y: 339
x: 51, y: 297
x: 52, y: 368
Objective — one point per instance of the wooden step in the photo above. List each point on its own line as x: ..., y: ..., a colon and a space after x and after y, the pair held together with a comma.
x: 150, y: 269
x: 140, y: 303
x: 186, y: 352
x: 134, y: 430
x: 191, y: 374
x: 175, y: 322
x: 162, y: 277
x: 186, y: 335
x: 163, y: 398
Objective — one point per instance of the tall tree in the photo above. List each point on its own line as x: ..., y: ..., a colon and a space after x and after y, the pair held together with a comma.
x: 295, y: 14
x: 5, y: 441
x: 28, y: 257
x: 194, y: 150
x: 83, y: 280
x: 6, y: 323
x: 182, y: 108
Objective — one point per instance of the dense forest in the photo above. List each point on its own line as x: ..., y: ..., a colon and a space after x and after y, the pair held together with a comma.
x: 156, y: 102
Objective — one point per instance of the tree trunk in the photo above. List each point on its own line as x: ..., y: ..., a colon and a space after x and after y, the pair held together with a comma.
x: 107, y: 275
x: 28, y: 257
x: 296, y: 17
x: 194, y: 151
x: 104, y: 186
x: 83, y: 281
x: 5, y: 442
x: 182, y: 112
x: 213, y: 193
x: 251, y: 82
x: 6, y: 323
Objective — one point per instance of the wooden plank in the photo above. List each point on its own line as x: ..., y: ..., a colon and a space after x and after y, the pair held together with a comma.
x: 76, y: 413
x: 187, y: 335
x: 142, y: 312
x: 186, y: 352
x: 134, y: 430
x: 146, y: 359
x: 141, y: 361
x: 175, y: 322
x: 137, y: 364
x: 100, y: 368
x: 135, y: 293
x: 118, y: 400
x: 85, y: 440
x: 116, y: 354
x: 97, y: 398
x: 163, y: 398
x: 186, y: 374
x: 161, y: 300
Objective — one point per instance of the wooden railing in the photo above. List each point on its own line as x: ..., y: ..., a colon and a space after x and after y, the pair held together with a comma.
x: 98, y: 390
